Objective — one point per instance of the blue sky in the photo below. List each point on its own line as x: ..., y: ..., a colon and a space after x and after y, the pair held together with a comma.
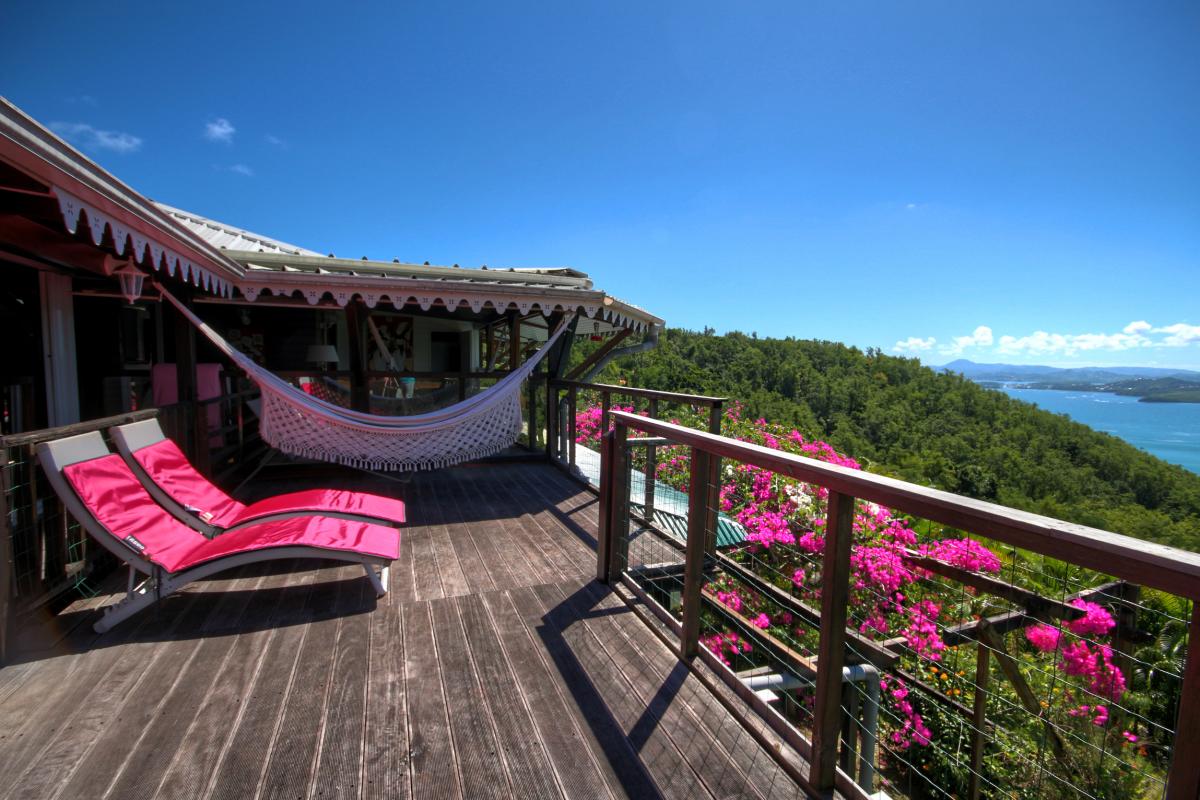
x: 1012, y: 182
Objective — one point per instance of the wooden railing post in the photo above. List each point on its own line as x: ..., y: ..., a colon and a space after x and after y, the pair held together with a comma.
x: 835, y: 589
x: 551, y: 419
x: 604, y: 529
x: 201, y: 437
x: 572, y: 400
x: 1183, y: 781
x: 605, y: 401
x: 714, y: 476
x: 6, y: 556
x: 651, y: 468
x: 979, y: 718
x: 530, y: 413
x: 618, y: 518
x: 697, y: 540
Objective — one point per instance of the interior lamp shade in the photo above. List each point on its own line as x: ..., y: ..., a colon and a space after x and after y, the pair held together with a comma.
x: 322, y: 354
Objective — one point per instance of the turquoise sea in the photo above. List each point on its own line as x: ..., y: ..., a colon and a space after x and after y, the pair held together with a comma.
x: 1170, y: 431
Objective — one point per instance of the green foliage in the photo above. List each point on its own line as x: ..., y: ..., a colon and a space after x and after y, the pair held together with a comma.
x: 931, y: 428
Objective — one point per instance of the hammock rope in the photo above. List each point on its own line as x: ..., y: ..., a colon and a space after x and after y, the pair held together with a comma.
x: 301, y: 424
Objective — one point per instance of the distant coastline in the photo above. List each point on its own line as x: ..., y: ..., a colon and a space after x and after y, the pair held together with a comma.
x: 1143, y: 389
x: 1148, y: 384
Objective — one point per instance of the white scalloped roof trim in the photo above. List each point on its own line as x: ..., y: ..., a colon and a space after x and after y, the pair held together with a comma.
x: 142, y: 248
x: 425, y: 300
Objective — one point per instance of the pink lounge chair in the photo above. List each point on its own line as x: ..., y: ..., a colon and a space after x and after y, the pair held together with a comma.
x: 100, y: 490
x: 181, y: 489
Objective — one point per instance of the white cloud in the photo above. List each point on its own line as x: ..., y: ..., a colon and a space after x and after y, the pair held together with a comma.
x: 980, y: 337
x: 219, y: 130
x: 1139, y: 334
x: 1132, y: 336
x: 83, y: 100
x: 914, y: 344
x: 1180, y: 335
x: 95, y: 139
x: 274, y: 140
x: 242, y: 169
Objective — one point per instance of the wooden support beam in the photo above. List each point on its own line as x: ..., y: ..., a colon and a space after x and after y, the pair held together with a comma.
x: 1012, y: 671
x: 360, y: 392
x: 835, y: 592
x: 1032, y: 602
x: 595, y: 357
x: 979, y: 720
x: 6, y: 557
x: 859, y: 647
x: 185, y: 379
x: 1012, y: 620
x: 514, y: 341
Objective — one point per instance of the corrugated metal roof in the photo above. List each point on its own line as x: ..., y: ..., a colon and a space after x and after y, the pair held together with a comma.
x: 227, y: 237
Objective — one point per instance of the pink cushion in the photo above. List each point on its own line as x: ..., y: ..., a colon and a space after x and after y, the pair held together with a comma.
x: 167, y: 466
x: 318, y: 500
x: 110, y: 490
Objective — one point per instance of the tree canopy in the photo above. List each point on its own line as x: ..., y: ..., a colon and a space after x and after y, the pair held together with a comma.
x: 941, y: 430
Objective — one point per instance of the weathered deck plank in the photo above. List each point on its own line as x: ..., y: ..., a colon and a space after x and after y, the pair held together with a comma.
x: 433, y: 769
x: 495, y: 667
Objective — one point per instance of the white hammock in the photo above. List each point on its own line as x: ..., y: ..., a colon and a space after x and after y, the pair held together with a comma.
x: 303, y: 425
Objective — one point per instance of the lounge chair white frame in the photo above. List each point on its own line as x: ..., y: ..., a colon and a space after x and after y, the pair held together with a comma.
x: 134, y: 436
x: 55, y: 456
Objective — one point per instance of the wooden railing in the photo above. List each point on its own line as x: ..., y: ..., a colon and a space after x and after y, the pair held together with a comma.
x: 562, y: 414
x: 1136, y: 562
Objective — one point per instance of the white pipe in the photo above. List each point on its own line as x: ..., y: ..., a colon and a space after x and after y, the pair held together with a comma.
x: 857, y: 673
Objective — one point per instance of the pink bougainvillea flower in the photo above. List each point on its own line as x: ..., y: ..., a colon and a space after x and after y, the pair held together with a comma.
x: 1043, y: 637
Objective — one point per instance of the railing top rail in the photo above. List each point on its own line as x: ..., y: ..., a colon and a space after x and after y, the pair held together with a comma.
x: 62, y: 431
x: 653, y: 394
x: 252, y: 392
x: 1146, y: 563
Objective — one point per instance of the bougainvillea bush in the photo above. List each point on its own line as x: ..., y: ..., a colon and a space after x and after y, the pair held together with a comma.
x: 893, y: 599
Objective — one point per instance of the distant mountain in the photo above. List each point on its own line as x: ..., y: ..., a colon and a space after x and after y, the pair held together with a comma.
x: 1075, y: 375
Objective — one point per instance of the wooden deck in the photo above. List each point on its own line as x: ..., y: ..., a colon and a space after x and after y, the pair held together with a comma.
x: 495, y: 667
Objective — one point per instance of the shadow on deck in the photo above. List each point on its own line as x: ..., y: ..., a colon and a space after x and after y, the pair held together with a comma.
x: 495, y: 667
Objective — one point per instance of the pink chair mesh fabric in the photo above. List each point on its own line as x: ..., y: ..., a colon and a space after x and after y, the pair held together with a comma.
x: 167, y: 466
x: 110, y: 490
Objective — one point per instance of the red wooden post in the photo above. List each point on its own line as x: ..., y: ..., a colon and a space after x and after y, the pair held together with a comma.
x: 618, y: 518
x: 651, y: 468
x: 604, y: 529
x: 697, y: 541
x: 571, y: 403
x: 835, y: 587
x: 1183, y: 781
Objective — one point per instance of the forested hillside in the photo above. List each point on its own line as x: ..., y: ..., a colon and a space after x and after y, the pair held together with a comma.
x: 935, y: 429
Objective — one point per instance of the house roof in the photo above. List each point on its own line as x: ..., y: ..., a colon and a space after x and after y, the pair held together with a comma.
x: 227, y: 237
x: 275, y: 267
x: 221, y: 257
x: 115, y: 214
x: 322, y: 278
